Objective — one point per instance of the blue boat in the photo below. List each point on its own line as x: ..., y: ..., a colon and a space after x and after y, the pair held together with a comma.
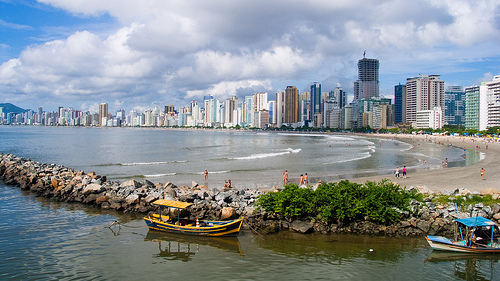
x: 472, y: 235
x: 185, y: 226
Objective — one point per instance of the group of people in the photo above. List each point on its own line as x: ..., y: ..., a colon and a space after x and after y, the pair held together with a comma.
x: 304, y: 179
x: 396, y: 174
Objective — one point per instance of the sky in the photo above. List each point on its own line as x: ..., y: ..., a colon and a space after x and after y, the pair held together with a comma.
x: 143, y: 54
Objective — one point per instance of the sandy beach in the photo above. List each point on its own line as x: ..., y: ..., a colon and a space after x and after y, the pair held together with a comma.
x: 445, y: 179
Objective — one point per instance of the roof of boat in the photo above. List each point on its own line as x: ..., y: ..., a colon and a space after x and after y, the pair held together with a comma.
x: 172, y: 203
x: 475, y: 221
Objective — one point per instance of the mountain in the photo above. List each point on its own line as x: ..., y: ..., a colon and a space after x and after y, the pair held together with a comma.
x: 9, y: 107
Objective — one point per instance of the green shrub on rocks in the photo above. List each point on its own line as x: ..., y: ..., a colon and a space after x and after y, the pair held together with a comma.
x: 342, y: 201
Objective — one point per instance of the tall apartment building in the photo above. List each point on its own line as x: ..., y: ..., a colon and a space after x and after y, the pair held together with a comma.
x: 367, y: 85
x: 103, y: 114
x: 424, y: 92
x: 316, y: 104
x: 399, y: 103
x: 476, y: 107
x: 169, y: 109
x: 454, y: 105
x: 493, y: 100
x: 230, y: 111
x: 304, y: 103
x: 287, y: 106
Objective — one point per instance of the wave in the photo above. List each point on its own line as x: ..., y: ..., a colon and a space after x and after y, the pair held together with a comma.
x: 148, y: 163
x: 211, y: 172
x: 160, y: 175
x: 267, y: 155
x: 360, y: 157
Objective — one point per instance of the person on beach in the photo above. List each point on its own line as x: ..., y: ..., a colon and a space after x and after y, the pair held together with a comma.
x: 396, y: 174
x: 306, y: 181
x: 482, y: 173
x: 206, y: 175
x: 301, y: 179
x: 285, y: 177
x: 404, y: 172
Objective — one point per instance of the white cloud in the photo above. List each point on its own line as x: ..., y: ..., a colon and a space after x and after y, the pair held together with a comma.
x: 168, y: 51
x: 226, y: 89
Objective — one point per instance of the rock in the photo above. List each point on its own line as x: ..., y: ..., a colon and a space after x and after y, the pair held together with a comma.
x: 169, y: 185
x: 55, y: 182
x: 464, y: 192
x: 489, y: 191
x: 424, y: 190
x: 149, y: 184
x: 90, y: 199
x: 423, y: 225
x: 150, y: 198
x: 132, y: 199
x: 133, y: 183
x: 102, y: 199
x: 496, y: 216
x: 228, y: 213
x: 301, y: 226
x: 92, y: 188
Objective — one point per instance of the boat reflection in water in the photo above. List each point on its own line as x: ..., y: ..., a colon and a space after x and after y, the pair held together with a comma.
x: 181, y: 247
x: 467, y: 266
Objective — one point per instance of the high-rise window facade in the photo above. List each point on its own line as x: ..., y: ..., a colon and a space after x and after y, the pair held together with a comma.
x: 367, y: 85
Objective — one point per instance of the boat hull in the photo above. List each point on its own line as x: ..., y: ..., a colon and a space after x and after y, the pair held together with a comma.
x: 444, y: 244
x: 213, y: 228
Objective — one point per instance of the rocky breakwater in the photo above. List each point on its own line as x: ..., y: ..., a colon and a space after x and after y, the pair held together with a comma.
x: 423, y: 218
x: 68, y: 185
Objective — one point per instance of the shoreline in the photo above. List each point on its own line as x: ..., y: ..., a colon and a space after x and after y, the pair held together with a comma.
x: 447, y: 178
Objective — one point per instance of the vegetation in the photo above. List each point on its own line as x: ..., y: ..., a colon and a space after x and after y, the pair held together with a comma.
x: 341, y: 201
x: 464, y: 201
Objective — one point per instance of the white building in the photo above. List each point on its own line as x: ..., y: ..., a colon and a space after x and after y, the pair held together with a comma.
x: 430, y: 118
x: 493, y: 100
x: 424, y: 92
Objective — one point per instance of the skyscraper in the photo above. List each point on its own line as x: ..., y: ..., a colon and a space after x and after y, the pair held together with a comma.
x: 316, y: 104
x: 103, y: 114
x: 494, y: 102
x: 287, y: 106
x: 367, y: 85
x: 476, y: 107
x: 399, y: 104
x: 454, y: 105
x: 424, y: 92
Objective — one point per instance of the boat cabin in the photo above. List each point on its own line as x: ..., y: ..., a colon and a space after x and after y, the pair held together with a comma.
x: 477, y: 231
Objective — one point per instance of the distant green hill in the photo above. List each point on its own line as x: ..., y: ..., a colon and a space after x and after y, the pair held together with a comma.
x: 9, y: 107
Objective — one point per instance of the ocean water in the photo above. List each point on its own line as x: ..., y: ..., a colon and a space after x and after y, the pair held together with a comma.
x: 45, y: 240
x: 249, y: 159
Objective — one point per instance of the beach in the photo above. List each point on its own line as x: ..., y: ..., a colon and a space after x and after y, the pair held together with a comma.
x: 447, y: 178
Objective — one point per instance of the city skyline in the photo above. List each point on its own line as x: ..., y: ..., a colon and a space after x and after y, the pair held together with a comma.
x: 141, y: 55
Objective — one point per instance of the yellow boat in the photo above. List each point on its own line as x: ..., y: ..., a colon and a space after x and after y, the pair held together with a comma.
x: 185, y: 226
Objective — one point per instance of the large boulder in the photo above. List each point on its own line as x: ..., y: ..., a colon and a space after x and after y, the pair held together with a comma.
x: 489, y: 191
x: 132, y: 199
x: 301, y: 226
x: 92, y: 188
x: 228, y: 213
x: 133, y: 183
